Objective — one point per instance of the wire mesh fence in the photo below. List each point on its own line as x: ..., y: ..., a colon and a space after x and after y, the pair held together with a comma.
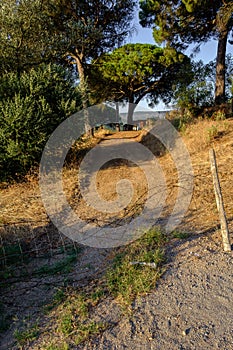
x: 22, y: 241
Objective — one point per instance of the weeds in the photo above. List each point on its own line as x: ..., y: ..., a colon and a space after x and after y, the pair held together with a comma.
x: 4, y: 319
x: 180, y: 235
x: 74, y: 320
x: 97, y: 295
x: 217, y: 130
x: 219, y: 115
x: 63, y: 346
x: 212, y: 132
x: 29, y: 334
x: 64, y: 266
x: 11, y: 254
x: 19, y: 259
x: 58, y: 298
x: 87, y: 330
x: 126, y: 280
x: 181, y: 121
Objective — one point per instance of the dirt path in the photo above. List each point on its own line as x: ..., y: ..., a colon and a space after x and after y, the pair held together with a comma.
x: 191, y: 308
x: 192, y: 305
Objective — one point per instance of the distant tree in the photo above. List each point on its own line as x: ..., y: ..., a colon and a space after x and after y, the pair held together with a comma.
x: 136, y: 71
x: 182, y: 22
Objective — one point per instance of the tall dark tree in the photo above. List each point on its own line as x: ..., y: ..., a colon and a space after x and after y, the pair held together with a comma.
x: 86, y: 29
x: 136, y: 71
x: 182, y: 22
x: 66, y: 31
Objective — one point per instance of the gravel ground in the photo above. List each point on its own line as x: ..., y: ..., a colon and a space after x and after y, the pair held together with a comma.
x: 191, y: 307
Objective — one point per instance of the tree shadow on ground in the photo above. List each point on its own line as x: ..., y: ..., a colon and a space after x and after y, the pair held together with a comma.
x: 37, y: 263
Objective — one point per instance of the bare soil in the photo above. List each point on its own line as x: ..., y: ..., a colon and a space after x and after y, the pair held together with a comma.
x: 190, y: 307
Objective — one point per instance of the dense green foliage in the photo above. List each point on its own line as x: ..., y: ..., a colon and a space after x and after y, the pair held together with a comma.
x: 200, y: 91
x: 31, y: 107
x: 25, y: 38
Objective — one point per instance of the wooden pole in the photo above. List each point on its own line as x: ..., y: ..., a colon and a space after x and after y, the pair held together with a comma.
x: 219, y: 202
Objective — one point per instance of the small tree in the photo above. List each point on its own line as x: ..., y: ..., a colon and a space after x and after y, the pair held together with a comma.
x: 199, y: 91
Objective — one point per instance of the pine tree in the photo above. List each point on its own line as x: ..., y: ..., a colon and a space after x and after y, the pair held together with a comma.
x: 182, y: 22
x: 136, y: 71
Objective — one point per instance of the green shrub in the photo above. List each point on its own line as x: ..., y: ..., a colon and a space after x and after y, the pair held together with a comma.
x: 31, y: 107
x: 212, y: 132
x: 197, y: 92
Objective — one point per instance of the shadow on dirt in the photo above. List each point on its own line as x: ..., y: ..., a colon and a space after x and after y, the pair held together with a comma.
x: 37, y: 263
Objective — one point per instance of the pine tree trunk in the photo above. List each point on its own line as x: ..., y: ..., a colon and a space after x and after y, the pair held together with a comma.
x: 84, y: 96
x: 220, y: 68
x: 117, y: 112
x: 131, y: 109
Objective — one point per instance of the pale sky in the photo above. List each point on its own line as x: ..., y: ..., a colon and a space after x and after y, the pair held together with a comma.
x: 207, y: 52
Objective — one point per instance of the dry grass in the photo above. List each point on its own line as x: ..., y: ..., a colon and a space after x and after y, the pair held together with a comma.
x: 199, y: 139
x: 106, y: 187
x: 20, y: 202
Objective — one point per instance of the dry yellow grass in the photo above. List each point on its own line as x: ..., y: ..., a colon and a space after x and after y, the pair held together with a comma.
x: 199, y: 139
x: 21, y: 202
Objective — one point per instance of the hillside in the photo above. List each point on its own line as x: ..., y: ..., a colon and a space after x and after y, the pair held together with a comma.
x: 188, y: 308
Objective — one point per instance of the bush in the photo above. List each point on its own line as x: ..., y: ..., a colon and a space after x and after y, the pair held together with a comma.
x: 31, y: 107
x: 192, y: 97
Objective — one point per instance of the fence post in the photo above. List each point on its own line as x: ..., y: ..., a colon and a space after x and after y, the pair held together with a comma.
x: 219, y: 202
